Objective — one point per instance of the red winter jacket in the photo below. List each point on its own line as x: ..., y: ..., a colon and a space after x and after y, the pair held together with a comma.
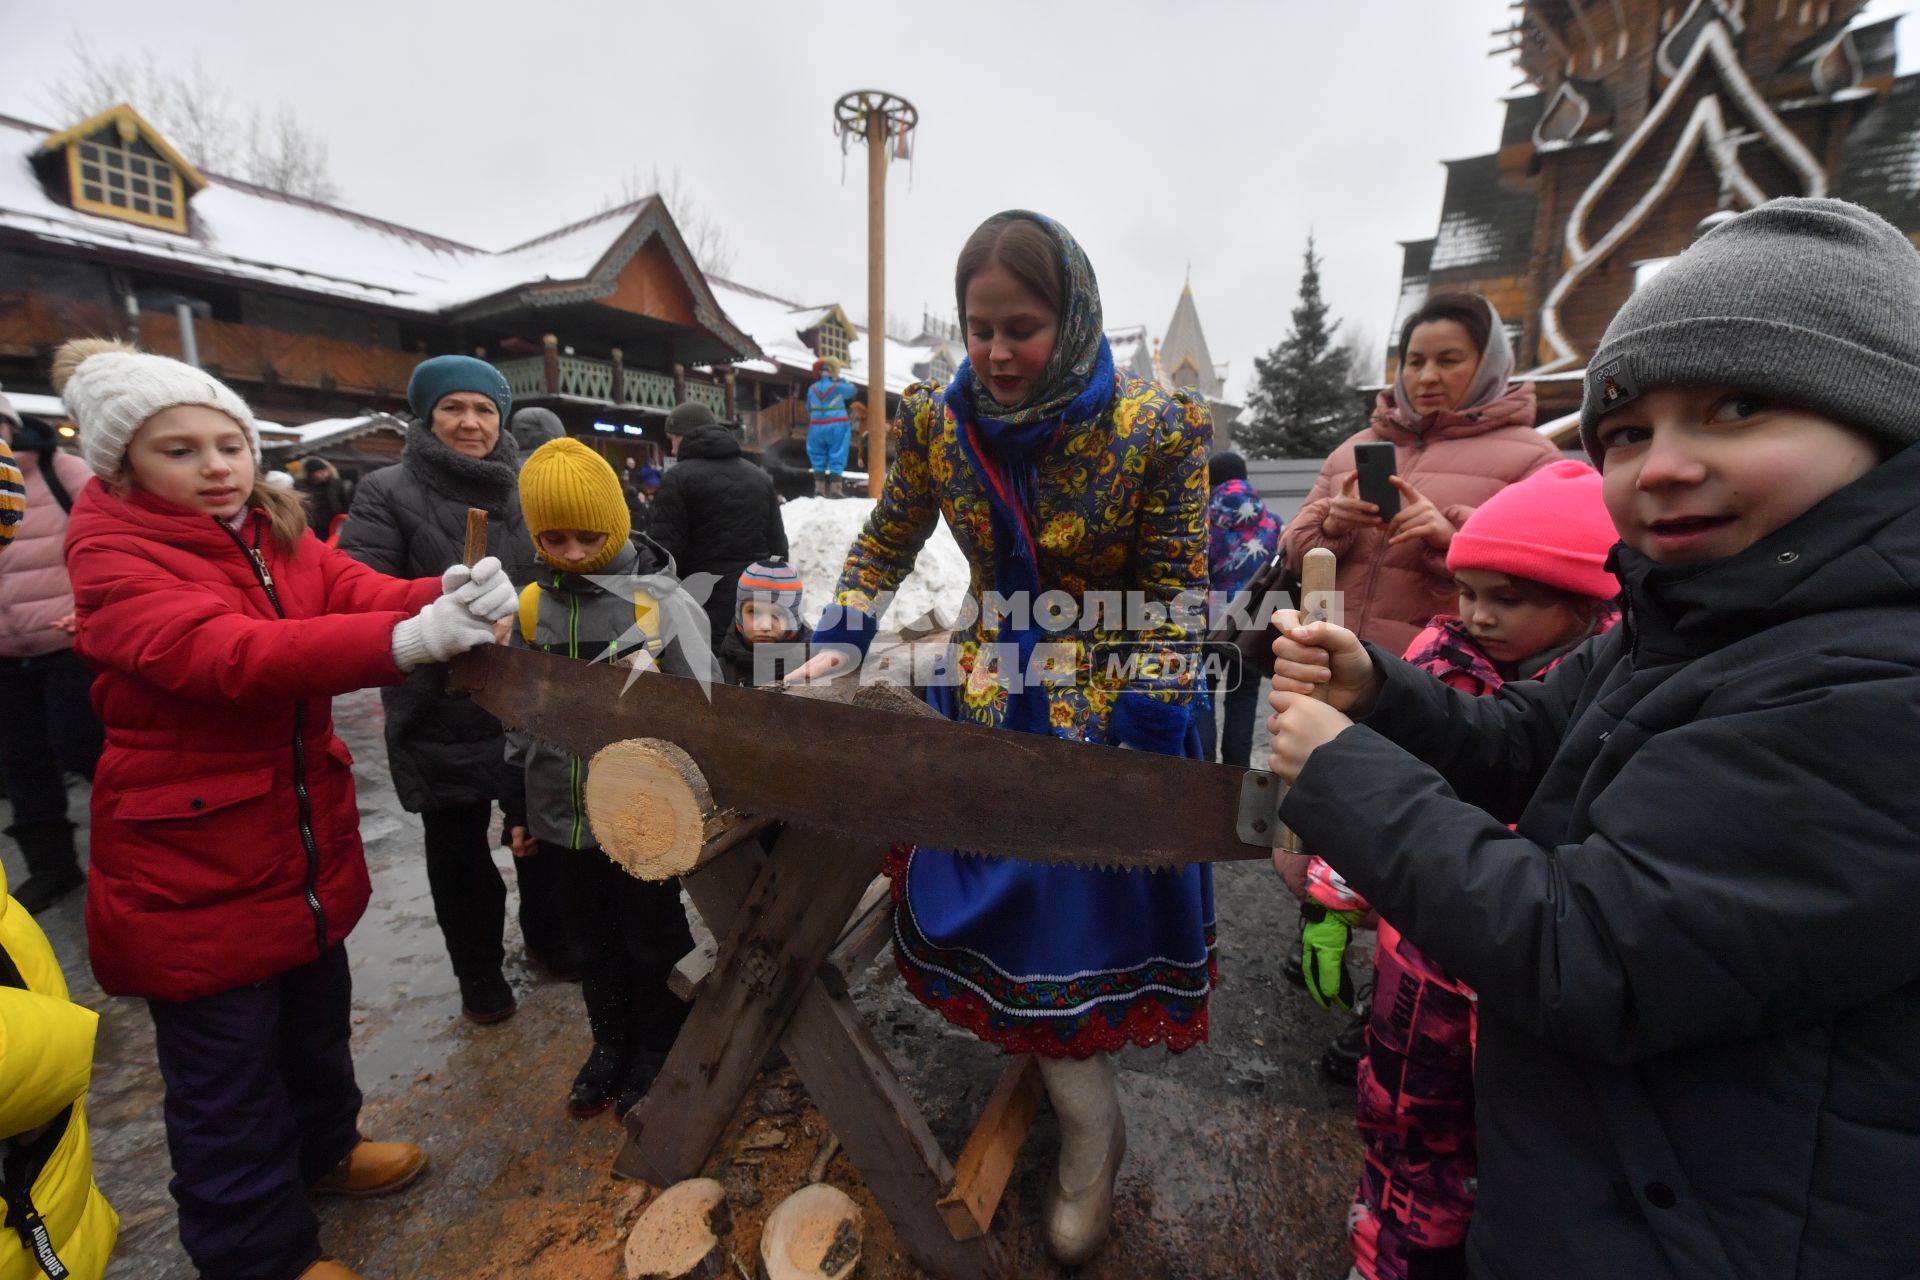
x: 226, y: 844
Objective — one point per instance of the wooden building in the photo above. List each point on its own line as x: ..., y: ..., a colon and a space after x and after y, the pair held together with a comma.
x: 1644, y: 118
x: 315, y: 312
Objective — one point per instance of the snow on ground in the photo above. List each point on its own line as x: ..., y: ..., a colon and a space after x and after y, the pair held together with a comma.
x: 819, y: 533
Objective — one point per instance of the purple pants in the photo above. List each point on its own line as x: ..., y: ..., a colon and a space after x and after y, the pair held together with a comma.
x: 261, y: 1102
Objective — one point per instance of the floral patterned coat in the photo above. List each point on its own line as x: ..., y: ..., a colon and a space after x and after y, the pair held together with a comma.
x: 1121, y: 507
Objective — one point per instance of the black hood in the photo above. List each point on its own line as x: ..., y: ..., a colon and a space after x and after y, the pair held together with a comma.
x: 714, y: 440
x: 1857, y: 548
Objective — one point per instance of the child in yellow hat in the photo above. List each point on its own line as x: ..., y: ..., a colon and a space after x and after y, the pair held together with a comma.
x: 630, y: 933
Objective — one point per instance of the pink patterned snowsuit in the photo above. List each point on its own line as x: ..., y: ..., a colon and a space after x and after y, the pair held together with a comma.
x: 1414, y: 1100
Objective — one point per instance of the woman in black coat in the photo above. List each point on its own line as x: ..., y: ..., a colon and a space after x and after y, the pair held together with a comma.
x: 447, y: 754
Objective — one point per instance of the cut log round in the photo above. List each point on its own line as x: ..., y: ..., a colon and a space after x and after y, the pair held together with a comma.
x: 682, y: 1234
x: 814, y: 1234
x: 649, y: 807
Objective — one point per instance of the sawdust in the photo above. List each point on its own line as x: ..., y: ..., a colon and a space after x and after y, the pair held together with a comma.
x: 560, y: 1230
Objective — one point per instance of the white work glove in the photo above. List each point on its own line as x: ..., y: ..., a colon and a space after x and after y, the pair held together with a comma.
x: 438, y: 632
x: 483, y: 589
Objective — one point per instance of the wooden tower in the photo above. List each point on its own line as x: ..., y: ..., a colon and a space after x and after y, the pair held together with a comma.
x: 1641, y: 118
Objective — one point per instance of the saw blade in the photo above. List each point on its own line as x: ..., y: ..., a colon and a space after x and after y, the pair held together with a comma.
x: 881, y: 775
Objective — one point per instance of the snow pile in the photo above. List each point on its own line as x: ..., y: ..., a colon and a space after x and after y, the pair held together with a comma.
x: 821, y: 530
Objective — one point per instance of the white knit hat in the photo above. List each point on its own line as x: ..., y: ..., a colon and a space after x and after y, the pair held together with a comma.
x: 110, y: 389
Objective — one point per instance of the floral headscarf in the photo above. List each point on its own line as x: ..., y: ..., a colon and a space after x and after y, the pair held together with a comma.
x: 1074, y: 371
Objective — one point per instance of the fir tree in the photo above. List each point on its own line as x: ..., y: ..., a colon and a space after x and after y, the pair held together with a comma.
x: 1303, y: 403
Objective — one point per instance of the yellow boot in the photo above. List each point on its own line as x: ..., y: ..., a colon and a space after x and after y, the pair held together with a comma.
x: 373, y: 1169
x: 328, y: 1269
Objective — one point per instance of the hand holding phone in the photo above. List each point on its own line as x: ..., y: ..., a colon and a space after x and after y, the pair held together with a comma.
x: 1376, y: 465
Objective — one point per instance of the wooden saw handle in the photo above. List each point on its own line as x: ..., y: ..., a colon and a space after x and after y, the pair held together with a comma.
x: 476, y: 548
x: 1316, y: 605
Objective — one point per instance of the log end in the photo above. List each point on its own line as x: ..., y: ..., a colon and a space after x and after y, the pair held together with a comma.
x: 649, y: 807
x: 681, y: 1235
x: 814, y: 1234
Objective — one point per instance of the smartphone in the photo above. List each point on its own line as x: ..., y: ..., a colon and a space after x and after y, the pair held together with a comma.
x: 1376, y: 465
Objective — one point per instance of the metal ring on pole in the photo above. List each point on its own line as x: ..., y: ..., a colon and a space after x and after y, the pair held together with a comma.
x: 850, y: 114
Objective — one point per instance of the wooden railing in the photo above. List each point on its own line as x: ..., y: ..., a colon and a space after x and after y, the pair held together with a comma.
x: 593, y: 380
x: 32, y: 322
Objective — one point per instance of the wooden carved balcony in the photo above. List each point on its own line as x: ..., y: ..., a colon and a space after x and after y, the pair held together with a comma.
x: 590, y: 379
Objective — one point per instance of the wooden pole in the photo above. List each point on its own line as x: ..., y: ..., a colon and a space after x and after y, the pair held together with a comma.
x: 1317, y: 572
x: 876, y: 300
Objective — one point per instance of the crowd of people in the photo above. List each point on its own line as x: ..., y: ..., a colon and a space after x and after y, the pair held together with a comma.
x: 1609, y: 755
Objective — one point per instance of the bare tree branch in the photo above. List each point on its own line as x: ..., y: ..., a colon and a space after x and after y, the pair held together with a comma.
x: 192, y: 109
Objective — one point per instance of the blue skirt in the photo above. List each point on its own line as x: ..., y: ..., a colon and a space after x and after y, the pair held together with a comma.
x: 1056, y: 960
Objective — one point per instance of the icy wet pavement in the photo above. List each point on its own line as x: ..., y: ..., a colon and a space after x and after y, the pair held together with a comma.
x: 1240, y: 1158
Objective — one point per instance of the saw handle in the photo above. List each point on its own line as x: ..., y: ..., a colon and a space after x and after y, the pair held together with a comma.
x: 476, y: 546
x: 1316, y: 605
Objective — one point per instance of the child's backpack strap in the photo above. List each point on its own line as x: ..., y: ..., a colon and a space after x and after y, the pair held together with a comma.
x: 646, y: 616
x: 529, y: 610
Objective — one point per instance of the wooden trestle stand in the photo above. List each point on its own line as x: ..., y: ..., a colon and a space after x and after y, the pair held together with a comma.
x: 796, y: 925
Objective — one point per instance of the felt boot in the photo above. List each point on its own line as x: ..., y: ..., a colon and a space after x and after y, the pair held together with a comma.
x: 53, y: 870
x: 1093, y: 1141
x: 819, y: 484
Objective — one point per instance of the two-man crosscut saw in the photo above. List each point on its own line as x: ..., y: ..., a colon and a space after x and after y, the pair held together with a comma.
x: 905, y: 779
x: 886, y: 775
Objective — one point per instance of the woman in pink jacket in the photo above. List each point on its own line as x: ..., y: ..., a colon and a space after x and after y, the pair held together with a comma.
x: 1461, y: 432
x: 47, y: 725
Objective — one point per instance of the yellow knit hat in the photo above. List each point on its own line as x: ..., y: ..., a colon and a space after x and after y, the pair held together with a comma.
x: 566, y: 485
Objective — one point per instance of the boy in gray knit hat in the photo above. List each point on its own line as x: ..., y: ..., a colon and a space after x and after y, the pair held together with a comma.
x: 1698, y: 975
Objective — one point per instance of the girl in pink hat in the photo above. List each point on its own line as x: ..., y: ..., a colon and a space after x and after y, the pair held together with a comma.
x: 1531, y: 569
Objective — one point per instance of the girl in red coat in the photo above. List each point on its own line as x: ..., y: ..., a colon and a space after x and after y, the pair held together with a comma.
x: 226, y: 861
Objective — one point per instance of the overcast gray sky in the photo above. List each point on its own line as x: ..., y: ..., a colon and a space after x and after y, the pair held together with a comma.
x: 1207, y: 132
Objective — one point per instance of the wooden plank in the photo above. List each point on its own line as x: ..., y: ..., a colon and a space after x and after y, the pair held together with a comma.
x: 986, y: 1163
x: 789, y: 921
x: 690, y: 974
x: 847, y: 1075
x: 863, y: 941
x: 860, y: 943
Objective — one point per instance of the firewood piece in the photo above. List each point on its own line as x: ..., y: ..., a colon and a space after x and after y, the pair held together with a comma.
x: 650, y: 808
x: 829, y: 1148
x: 814, y: 1234
x: 681, y: 1234
x: 986, y: 1163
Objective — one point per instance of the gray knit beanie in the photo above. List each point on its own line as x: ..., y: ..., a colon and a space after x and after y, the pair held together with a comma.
x: 1814, y: 302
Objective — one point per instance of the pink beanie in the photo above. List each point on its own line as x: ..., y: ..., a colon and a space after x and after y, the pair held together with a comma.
x: 1552, y: 527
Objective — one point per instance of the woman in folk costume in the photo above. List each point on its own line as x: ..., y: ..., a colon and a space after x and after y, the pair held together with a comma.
x: 1055, y: 474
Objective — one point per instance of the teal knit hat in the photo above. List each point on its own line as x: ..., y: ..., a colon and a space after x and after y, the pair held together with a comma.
x: 435, y: 379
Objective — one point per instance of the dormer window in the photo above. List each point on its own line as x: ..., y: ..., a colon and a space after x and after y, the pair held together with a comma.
x: 116, y: 165
x: 941, y: 368
x: 833, y: 339
x: 126, y: 180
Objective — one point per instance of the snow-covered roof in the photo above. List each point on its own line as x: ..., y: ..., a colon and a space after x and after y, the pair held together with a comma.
x: 250, y: 233
x: 283, y: 440
x: 775, y: 325
x: 36, y: 406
